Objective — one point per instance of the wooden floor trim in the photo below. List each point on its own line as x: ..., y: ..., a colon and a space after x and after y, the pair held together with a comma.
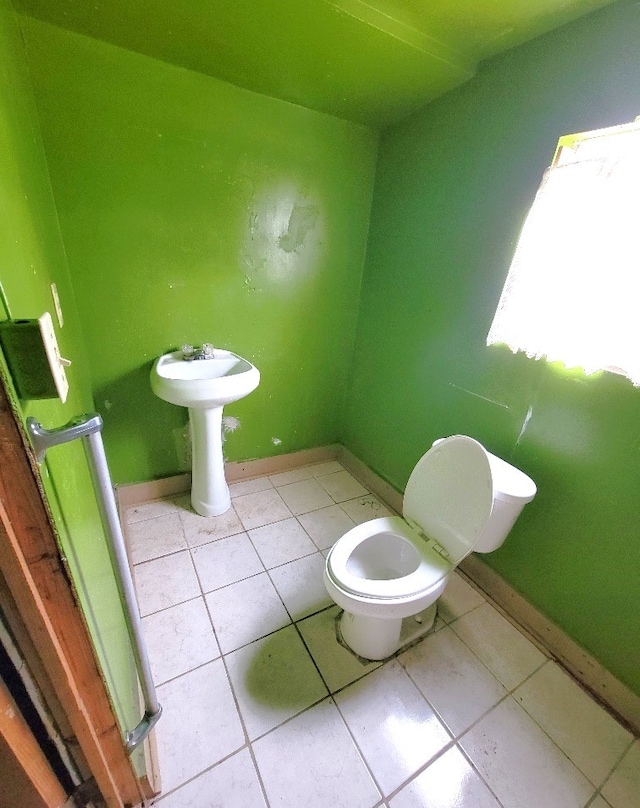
x: 135, y: 493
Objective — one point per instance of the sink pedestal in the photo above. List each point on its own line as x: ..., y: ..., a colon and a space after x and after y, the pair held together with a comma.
x: 204, y: 386
x: 209, y: 489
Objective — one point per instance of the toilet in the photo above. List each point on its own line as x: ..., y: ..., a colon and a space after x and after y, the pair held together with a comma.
x: 459, y: 498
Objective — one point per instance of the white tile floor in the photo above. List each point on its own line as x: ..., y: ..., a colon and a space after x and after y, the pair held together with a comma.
x: 262, y: 707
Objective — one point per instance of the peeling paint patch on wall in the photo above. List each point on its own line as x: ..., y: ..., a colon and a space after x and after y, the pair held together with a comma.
x: 285, y: 236
x: 301, y: 221
x: 182, y: 443
x: 230, y: 424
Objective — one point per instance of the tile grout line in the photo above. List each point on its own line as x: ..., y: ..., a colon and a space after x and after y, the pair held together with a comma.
x: 290, y: 718
x: 164, y: 794
x: 189, y: 546
x: 477, y: 771
x: 455, y: 737
x: 342, y: 687
x: 612, y: 771
x: 511, y: 693
x: 294, y: 622
x: 384, y: 797
x: 451, y: 744
x: 462, y: 640
x: 359, y: 751
x: 309, y: 707
x: 245, y: 731
x: 127, y: 523
x: 221, y: 657
x: 562, y: 751
x: 276, y: 566
x: 508, y: 695
x: 249, y: 742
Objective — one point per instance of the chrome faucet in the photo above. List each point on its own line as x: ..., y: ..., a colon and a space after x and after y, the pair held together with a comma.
x: 189, y: 352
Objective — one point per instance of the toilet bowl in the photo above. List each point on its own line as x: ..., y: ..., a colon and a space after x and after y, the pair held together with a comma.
x: 459, y: 498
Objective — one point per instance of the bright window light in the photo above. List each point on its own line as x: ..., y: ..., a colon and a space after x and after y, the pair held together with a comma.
x: 573, y: 290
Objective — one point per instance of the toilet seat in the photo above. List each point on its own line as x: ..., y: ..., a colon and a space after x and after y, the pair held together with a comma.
x: 450, y: 494
x: 458, y: 498
x: 447, y: 503
x: 407, y: 544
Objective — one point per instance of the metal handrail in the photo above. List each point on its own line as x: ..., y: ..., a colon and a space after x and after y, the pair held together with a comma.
x: 88, y: 427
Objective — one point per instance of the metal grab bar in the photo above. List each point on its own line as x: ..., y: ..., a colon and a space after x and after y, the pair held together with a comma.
x: 88, y: 427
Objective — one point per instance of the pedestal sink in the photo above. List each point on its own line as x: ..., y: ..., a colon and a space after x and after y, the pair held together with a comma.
x: 205, y: 386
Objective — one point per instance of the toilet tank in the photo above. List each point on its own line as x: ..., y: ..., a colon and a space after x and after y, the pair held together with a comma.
x: 512, y: 489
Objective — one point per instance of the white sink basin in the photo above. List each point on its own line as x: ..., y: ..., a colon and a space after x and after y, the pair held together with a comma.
x: 205, y: 386
x: 203, y: 383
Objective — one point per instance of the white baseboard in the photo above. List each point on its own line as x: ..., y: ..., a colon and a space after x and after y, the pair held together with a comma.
x: 382, y: 489
x: 275, y: 465
x: 136, y: 493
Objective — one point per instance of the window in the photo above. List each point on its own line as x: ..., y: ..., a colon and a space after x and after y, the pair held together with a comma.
x: 573, y: 290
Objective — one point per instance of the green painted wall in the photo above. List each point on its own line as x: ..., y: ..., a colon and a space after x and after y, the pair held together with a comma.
x: 373, y: 62
x: 31, y: 258
x: 194, y: 211
x: 453, y: 186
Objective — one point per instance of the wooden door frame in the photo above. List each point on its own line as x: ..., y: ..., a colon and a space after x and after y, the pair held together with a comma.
x: 41, y: 588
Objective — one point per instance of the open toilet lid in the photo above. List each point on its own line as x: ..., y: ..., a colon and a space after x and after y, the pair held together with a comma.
x: 449, y: 494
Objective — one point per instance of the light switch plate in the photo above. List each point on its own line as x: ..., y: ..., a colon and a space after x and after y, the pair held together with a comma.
x: 56, y: 362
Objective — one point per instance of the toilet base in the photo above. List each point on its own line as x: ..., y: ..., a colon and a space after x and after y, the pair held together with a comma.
x: 374, y: 638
